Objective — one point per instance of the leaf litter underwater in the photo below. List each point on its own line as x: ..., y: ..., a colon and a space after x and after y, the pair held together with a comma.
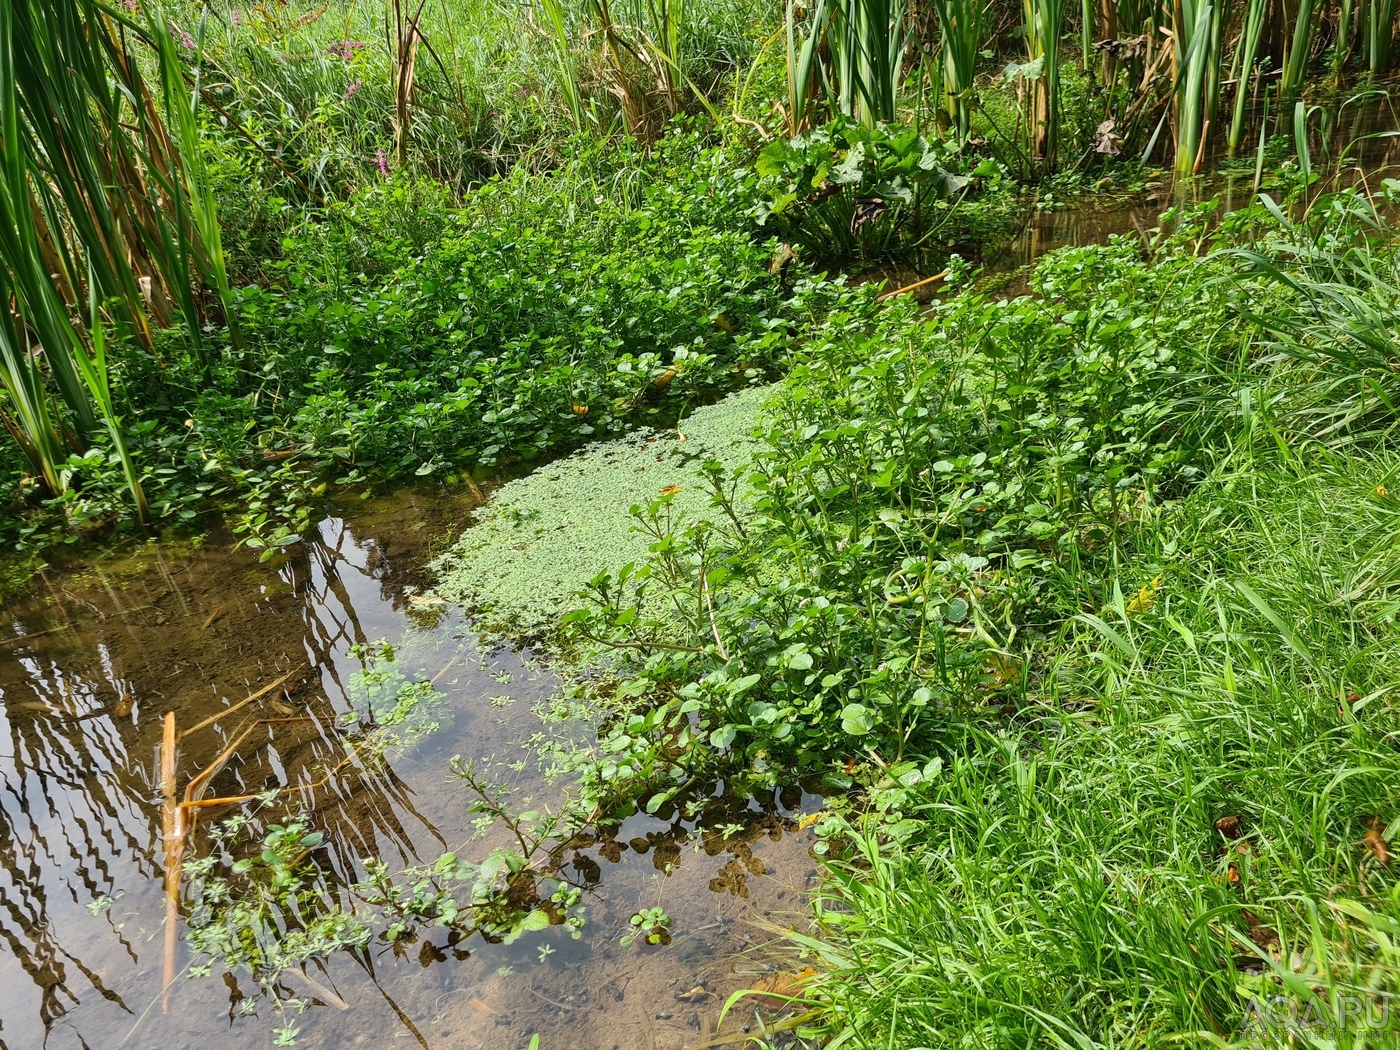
x: 94, y: 658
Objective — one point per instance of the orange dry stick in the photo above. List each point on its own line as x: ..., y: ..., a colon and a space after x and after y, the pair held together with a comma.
x: 916, y: 284
x: 170, y: 828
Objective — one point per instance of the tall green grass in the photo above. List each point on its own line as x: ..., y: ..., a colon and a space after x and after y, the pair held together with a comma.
x: 107, y: 218
x: 960, y: 39
x: 1061, y: 877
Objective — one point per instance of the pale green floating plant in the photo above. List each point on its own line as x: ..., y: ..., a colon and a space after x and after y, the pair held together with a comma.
x: 544, y: 536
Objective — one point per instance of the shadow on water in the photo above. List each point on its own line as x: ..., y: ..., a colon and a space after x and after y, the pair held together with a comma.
x: 92, y: 660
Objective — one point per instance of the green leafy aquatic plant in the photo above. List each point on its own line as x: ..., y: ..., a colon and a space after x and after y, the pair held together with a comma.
x: 650, y: 925
x: 935, y: 494
x: 846, y: 192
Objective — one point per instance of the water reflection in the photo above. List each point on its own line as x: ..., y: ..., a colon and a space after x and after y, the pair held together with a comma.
x: 91, y: 662
x: 1353, y: 140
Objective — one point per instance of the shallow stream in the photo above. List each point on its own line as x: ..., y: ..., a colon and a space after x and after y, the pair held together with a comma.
x: 93, y: 660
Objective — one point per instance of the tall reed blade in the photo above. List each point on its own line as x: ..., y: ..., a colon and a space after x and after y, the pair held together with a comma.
x: 804, y: 60
x: 564, y: 58
x: 960, y: 26
x: 1044, y: 22
x: 1199, y: 45
x: 1299, y: 48
x: 1249, y: 48
x: 99, y: 203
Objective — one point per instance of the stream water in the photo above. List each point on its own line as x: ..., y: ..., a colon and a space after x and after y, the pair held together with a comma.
x: 91, y: 662
x: 93, y: 658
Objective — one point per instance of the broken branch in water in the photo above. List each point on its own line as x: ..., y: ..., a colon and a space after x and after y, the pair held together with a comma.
x: 169, y: 834
x: 242, y: 703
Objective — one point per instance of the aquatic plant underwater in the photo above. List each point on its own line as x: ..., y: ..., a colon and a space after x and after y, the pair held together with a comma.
x: 1078, y: 605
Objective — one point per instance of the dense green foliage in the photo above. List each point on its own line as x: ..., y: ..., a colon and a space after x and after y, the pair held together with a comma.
x: 1080, y: 604
x: 1074, y: 872
x: 400, y: 334
x: 935, y: 494
x: 1092, y: 599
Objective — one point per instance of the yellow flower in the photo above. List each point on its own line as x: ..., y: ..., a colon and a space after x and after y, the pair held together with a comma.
x: 1145, y: 597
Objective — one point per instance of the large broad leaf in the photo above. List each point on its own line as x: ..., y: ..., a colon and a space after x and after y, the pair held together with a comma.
x: 1032, y: 70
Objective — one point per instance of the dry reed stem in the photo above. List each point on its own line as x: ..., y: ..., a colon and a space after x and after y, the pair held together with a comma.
x: 910, y: 287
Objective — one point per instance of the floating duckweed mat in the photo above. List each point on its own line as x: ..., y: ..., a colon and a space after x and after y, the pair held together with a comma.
x: 544, y: 536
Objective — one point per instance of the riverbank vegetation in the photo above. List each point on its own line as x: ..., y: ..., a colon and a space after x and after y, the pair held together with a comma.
x: 1078, y: 605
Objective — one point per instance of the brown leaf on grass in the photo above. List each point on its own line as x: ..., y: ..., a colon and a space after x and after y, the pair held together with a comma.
x: 1229, y: 826
x: 782, y: 988
x: 1002, y: 670
x: 1375, y: 840
x: 1258, y: 932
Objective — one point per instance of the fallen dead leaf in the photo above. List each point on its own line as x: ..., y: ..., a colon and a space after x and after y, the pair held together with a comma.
x: 477, y: 1004
x: 1229, y: 827
x: 1258, y: 932
x: 1375, y: 841
x: 783, y: 988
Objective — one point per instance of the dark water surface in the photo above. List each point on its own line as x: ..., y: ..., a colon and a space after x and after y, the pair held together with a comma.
x: 1354, y: 140
x: 92, y: 661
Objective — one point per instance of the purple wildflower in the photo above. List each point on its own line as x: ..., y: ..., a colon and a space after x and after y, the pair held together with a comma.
x: 383, y: 162
x: 345, y: 49
x: 352, y: 89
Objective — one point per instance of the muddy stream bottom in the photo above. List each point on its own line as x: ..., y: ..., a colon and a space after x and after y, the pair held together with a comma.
x: 91, y: 662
